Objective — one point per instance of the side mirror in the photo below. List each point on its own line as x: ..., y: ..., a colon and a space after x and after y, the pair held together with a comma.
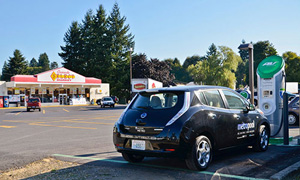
x: 246, y: 109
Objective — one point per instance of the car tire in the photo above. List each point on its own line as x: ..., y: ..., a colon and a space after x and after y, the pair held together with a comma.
x: 200, y: 155
x: 28, y: 109
x: 132, y: 157
x: 293, y: 118
x: 262, y: 140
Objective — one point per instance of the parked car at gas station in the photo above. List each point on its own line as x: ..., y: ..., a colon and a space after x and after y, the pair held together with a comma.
x: 34, y: 103
x: 294, y: 111
x: 190, y: 122
x: 107, y: 101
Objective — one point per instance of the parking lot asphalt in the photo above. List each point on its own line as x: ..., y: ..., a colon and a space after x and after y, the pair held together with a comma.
x: 83, y: 134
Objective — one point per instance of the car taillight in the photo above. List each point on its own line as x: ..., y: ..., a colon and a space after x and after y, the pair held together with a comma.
x: 184, y: 108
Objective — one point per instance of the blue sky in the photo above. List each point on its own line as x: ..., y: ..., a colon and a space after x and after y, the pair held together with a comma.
x: 162, y: 28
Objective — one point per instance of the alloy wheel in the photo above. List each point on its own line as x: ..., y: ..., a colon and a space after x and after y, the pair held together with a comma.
x: 203, y: 153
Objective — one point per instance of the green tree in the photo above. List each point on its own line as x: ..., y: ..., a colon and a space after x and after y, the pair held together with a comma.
x: 33, y: 63
x: 34, y: 70
x: 53, y: 65
x: 261, y: 50
x: 16, y: 65
x: 88, y: 44
x: 218, y: 67
x: 191, y: 60
x: 72, y: 51
x: 100, y: 47
x: 242, y: 72
x: 121, y: 42
x: 292, y: 66
x: 5, y: 72
x: 101, y: 60
x: 180, y: 73
x: 44, y: 62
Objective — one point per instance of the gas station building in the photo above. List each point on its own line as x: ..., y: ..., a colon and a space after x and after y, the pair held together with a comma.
x: 57, y: 86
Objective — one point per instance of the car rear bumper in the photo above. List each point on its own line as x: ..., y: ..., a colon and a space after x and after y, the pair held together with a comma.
x: 33, y: 107
x: 155, y: 145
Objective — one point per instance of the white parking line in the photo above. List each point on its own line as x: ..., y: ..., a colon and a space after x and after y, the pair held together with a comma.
x: 164, y: 167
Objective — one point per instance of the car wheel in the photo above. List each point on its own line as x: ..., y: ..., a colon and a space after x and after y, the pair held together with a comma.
x: 200, y: 155
x: 262, y: 141
x: 292, y: 119
x: 28, y: 110
x: 132, y: 157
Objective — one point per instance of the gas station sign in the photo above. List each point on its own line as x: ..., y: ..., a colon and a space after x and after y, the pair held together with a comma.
x: 60, y: 75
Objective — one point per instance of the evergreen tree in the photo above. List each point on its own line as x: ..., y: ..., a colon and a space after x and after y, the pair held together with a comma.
x: 121, y: 42
x: 101, y: 64
x: 16, y: 65
x: 53, y: 65
x: 44, y: 62
x: 88, y: 37
x: 33, y: 63
x: 5, y: 72
x: 72, y: 51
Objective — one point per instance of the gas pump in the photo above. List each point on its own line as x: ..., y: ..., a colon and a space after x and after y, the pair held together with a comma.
x: 270, y: 83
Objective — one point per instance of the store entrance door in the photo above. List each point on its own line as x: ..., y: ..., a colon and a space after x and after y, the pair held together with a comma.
x: 63, y: 99
x: 22, y: 100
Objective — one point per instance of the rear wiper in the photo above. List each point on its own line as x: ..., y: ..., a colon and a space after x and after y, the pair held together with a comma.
x: 144, y: 107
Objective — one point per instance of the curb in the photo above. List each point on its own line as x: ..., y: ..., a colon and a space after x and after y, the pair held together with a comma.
x: 285, y: 172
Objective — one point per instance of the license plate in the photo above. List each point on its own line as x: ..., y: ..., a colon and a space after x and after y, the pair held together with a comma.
x: 33, y: 107
x: 139, y: 145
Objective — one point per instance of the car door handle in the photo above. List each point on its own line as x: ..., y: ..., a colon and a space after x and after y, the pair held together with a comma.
x: 213, y: 116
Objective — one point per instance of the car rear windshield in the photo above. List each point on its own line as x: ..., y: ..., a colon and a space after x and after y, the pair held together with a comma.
x: 107, y: 99
x: 160, y: 100
x: 33, y: 100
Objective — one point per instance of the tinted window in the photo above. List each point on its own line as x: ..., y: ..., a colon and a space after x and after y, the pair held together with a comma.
x: 213, y: 98
x: 33, y: 100
x: 202, y: 98
x: 156, y: 101
x: 234, y: 101
x: 107, y: 99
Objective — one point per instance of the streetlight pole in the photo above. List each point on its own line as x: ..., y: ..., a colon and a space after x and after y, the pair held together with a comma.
x: 250, y: 48
x: 130, y: 64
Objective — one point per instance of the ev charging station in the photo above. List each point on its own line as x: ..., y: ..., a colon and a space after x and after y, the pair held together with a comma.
x: 271, y: 85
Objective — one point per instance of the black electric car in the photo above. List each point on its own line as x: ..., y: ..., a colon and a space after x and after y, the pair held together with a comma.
x: 189, y: 122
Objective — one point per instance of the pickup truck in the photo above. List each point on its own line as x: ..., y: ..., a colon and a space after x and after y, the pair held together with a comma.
x: 34, y: 103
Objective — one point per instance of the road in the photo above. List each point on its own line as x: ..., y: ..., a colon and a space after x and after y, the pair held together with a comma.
x: 84, y: 134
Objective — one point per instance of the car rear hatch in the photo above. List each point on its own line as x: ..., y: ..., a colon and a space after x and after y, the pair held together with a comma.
x: 151, y: 111
x: 33, y: 102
